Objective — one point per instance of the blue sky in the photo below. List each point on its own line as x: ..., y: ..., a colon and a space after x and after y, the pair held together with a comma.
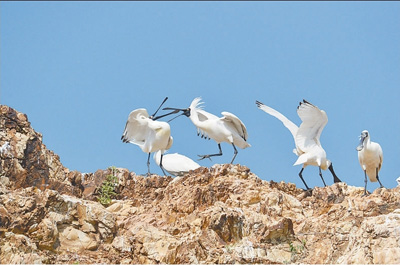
x: 77, y: 69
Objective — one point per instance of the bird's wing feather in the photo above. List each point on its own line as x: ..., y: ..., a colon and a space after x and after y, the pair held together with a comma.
x: 313, y: 122
x: 204, y: 115
x: 302, y: 159
x: 237, y: 123
x: 286, y: 122
x: 137, y: 127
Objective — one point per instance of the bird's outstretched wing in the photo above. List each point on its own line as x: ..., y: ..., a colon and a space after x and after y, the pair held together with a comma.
x: 237, y: 124
x: 286, y: 122
x: 313, y: 122
x: 136, y: 128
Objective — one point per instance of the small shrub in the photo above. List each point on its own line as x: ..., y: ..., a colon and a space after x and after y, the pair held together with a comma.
x: 107, y: 189
x: 297, y: 251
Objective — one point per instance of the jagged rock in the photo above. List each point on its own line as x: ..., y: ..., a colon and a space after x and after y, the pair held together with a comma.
x: 19, y: 249
x: 27, y: 162
x: 222, y: 214
x: 45, y: 234
x: 376, y: 241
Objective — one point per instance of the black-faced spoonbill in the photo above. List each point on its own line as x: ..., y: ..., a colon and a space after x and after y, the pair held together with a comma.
x: 229, y: 128
x: 147, y: 133
x: 176, y: 164
x: 370, y: 156
x: 306, y: 137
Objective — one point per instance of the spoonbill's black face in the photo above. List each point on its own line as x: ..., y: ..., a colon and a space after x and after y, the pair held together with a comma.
x: 186, y: 112
x: 363, y: 136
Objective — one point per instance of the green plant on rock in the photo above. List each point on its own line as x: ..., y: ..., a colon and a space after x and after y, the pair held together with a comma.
x: 107, y: 190
x: 296, y: 251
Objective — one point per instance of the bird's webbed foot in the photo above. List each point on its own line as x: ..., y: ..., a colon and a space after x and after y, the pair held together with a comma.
x: 204, y: 156
x: 366, y: 193
x: 308, y: 192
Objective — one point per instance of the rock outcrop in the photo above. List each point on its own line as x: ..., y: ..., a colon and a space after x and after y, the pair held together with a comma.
x: 25, y: 160
x: 222, y: 214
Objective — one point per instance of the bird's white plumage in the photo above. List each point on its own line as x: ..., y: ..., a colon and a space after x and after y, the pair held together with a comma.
x: 313, y: 122
x: 370, y: 156
x: 136, y: 129
x: 228, y: 128
x: 306, y: 137
x: 293, y: 128
x: 148, y: 134
x: 176, y: 164
x: 236, y: 123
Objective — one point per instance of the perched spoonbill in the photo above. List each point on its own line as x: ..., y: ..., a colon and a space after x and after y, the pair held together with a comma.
x: 306, y: 137
x: 176, y: 164
x: 229, y: 128
x: 370, y: 156
x: 147, y: 133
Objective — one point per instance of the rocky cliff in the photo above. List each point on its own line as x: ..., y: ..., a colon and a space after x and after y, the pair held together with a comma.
x: 223, y: 214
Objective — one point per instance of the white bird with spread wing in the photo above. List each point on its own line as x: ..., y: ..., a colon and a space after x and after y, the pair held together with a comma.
x: 229, y: 128
x: 306, y: 137
x: 176, y: 164
x: 147, y: 133
x: 370, y: 156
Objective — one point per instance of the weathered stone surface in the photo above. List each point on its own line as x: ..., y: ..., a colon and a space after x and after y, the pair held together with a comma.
x: 222, y: 214
x: 72, y: 239
x: 27, y: 162
x: 19, y: 249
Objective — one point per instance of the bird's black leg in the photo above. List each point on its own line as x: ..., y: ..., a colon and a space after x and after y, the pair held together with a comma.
x: 365, y: 187
x: 235, y: 151
x: 148, y: 165
x: 301, y: 177
x: 320, y: 174
x: 161, y: 166
x: 208, y: 156
x: 335, y: 178
x: 377, y: 177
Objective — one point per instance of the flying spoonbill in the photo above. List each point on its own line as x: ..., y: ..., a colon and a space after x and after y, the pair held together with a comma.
x: 229, y: 128
x: 370, y: 156
x: 306, y: 137
x: 176, y: 164
x: 148, y: 133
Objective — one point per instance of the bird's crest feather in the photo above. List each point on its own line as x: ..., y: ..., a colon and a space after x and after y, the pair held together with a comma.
x: 197, y: 104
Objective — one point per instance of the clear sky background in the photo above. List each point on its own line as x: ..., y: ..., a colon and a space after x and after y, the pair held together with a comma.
x: 77, y: 69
